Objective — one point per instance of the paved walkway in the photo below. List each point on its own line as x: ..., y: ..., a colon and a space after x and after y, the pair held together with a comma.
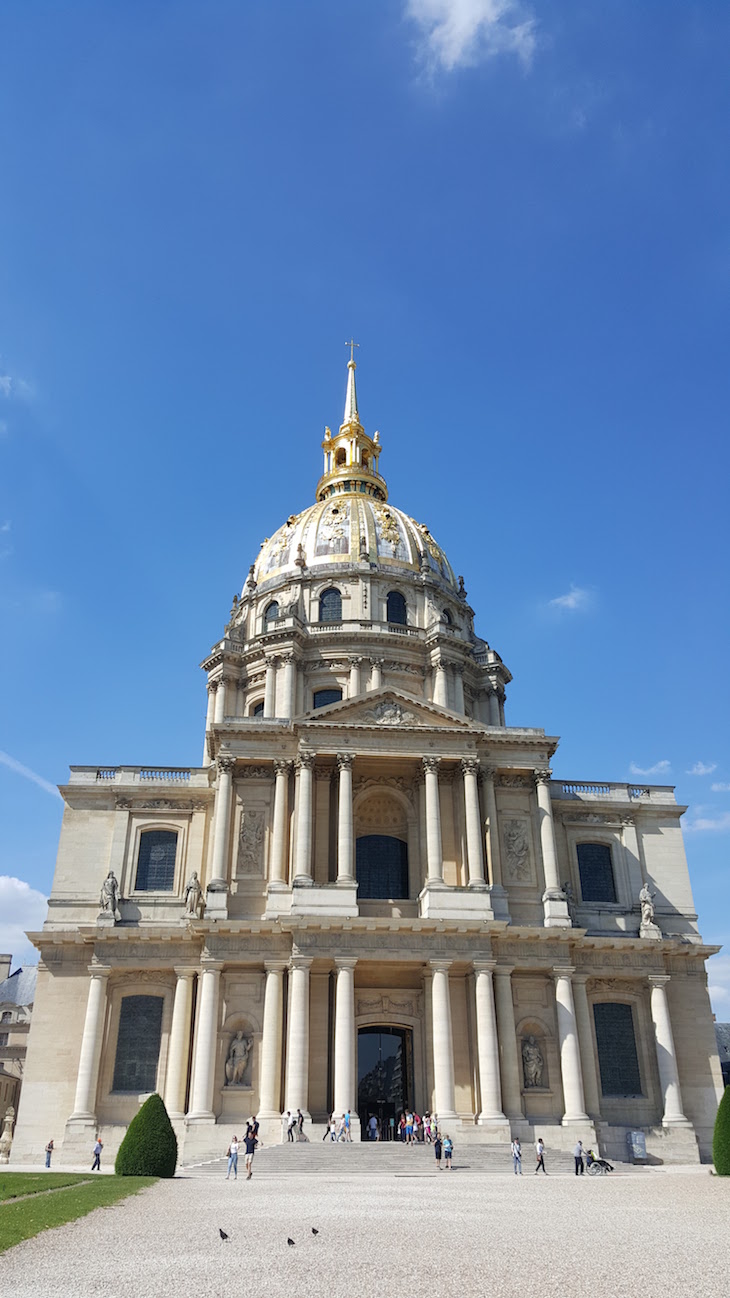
x: 436, y: 1236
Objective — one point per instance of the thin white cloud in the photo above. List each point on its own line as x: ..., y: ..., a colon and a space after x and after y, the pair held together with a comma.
x: 720, y: 788
x: 577, y: 598
x: 702, y: 768
x: 718, y: 974
x: 659, y: 768
x: 21, y: 908
x: 27, y: 774
x: 464, y: 33
x: 6, y: 384
x: 5, y: 527
x: 710, y: 824
x: 3, y: 427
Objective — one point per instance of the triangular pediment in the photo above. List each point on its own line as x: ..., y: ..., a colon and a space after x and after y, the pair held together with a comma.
x: 386, y: 708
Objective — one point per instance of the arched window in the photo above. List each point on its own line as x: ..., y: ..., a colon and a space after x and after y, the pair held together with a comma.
x: 138, y: 1044
x: 596, y: 872
x: 340, y: 457
x: 330, y: 605
x: 381, y: 864
x: 272, y: 612
x: 7, y: 1016
x: 258, y: 710
x: 323, y: 697
x: 397, y: 608
x: 447, y: 617
x: 616, y: 1044
x: 156, y: 860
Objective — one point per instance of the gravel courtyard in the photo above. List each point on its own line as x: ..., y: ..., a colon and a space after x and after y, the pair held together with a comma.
x: 413, y: 1235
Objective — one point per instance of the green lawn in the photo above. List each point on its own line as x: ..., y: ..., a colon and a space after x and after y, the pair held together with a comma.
x: 27, y: 1217
x: 15, y: 1185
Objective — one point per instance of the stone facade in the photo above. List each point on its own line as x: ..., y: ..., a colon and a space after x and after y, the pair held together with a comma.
x: 354, y: 717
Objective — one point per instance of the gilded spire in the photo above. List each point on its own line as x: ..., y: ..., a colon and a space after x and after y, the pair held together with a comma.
x: 352, y: 417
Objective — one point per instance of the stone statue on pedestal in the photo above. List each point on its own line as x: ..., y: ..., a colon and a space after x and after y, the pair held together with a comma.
x: 110, y: 898
x: 533, y: 1063
x: 646, y: 901
x: 193, y: 896
x: 570, y: 900
x: 237, y: 1060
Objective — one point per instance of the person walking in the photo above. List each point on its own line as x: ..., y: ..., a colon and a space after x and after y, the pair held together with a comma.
x: 348, y: 1133
x: 49, y: 1151
x: 290, y: 1123
x: 448, y: 1151
x: 250, y: 1143
x: 232, y: 1154
x: 300, y: 1125
x: 540, y: 1155
x: 516, y: 1149
x: 578, y: 1156
x: 437, y: 1147
x: 96, y: 1165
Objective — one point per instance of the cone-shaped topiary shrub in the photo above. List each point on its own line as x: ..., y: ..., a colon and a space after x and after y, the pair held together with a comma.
x: 150, y: 1145
x: 721, y: 1138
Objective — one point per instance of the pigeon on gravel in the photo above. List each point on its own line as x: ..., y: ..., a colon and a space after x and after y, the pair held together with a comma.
x: 290, y: 1242
x: 224, y: 1237
x: 314, y: 1231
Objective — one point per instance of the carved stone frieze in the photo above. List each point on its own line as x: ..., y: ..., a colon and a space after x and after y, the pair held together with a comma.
x: 516, y: 856
x: 389, y: 713
x: 251, y: 842
x: 256, y: 772
x: 393, y: 782
x: 389, y: 1003
x: 513, y: 781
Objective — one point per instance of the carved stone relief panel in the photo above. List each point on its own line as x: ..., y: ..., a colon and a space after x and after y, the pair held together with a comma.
x: 389, y: 1004
x: 250, y: 859
x: 517, y: 861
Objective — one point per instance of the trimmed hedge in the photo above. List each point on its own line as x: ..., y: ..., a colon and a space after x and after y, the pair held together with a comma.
x: 721, y: 1138
x: 150, y: 1145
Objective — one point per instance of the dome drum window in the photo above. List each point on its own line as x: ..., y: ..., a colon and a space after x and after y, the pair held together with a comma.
x: 322, y: 698
x: 397, y: 609
x: 271, y: 612
x: 330, y: 605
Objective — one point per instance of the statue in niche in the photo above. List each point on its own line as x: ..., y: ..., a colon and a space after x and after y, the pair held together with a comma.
x: 533, y: 1063
x: 570, y: 899
x: 110, y: 897
x: 193, y: 896
x: 646, y: 901
x: 238, y: 1054
x: 250, y: 842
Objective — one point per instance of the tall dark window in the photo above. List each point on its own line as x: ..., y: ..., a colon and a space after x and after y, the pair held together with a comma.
x: 616, y: 1042
x: 596, y: 872
x: 382, y: 866
x: 156, y: 861
x: 258, y: 710
x: 397, y: 609
x: 138, y: 1044
x: 323, y: 697
x: 330, y: 605
x: 272, y: 612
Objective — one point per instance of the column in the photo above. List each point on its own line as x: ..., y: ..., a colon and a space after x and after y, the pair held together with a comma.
x: 210, y: 713
x: 490, y: 1089
x: 220, y: 701
x: 458, y: 690
x: 498, y: 894
x: 206, y: 1040
x: 501, y: 697
x: 354, y: 689
x: 304, y: 764
x: 278, y: 871
x: 585, y: 1043
x: 344, y: 1087
x: 571, y: 1071
x: 88, y: 1075
x: 179, y: 1049
x: 440, y: 686
x: 443, y: 1044
x: 322, y: 792
x: 270, y: 1086
x: 376, y: 673
x: 345, y: 873
x: 475, y: 855
x: 289, y: 684
x: 493, y: 706
x: 222, y: 812
x: 297, y: 1046
x: 434, y: 853
x: 270, y: 688
x: 554, y: 904
x: 508, y: 1057
x: 665, y: 1053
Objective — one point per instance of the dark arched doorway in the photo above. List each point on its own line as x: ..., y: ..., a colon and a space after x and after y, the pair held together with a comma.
x: 384, y: 1077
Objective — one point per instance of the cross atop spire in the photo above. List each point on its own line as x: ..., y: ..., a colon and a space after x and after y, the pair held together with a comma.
x: 351, y: 416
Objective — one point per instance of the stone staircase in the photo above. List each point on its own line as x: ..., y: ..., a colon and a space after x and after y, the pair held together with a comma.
x: 325, y: 1158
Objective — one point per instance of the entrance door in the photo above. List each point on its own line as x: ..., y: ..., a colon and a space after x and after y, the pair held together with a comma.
x: 384, y: 1078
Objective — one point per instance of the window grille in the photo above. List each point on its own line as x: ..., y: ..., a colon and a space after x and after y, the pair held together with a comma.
x: 397, y: 608
x: 330, y: 605
x: 596, y: 872
x: 138, y: 1044
x: 616, y: 1043
x: 381, y: 866
x: 156, y: 861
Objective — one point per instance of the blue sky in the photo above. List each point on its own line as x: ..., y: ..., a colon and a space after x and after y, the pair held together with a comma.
x: 522, y: 214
